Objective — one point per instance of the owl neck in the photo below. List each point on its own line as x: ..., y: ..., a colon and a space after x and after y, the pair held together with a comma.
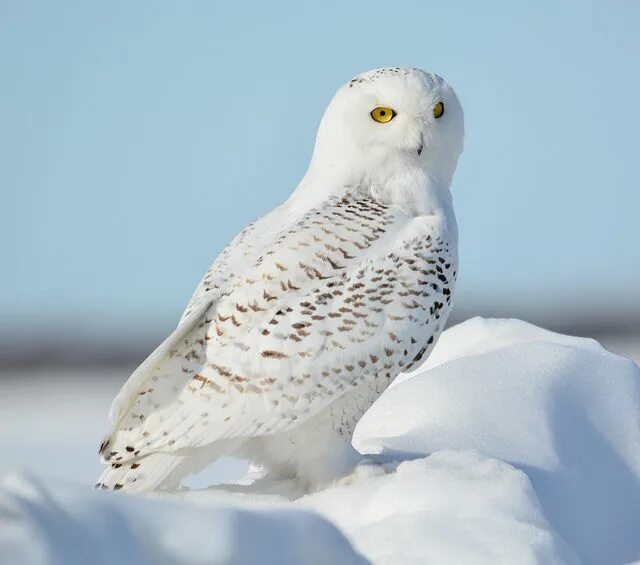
x: 402, y: 181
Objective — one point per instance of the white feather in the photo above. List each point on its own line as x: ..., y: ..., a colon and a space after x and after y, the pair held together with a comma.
x: 312, y: 311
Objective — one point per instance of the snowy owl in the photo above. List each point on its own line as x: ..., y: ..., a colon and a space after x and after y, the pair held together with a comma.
x: 311, y: 311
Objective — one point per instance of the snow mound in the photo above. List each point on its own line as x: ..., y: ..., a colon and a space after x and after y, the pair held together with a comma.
x: 73, y: 525
x: 480, y: 335
x: 511, y: 444
x: 563, y: 410
x: 452, y: 507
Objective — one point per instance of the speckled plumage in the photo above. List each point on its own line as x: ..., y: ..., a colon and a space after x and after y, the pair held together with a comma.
x: 310, y: 313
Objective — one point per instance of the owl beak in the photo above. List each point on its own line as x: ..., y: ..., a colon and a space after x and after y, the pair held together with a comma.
x: 421, y: 146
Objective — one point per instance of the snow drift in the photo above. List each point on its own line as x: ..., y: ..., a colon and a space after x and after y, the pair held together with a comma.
x: 511, y: 444
x: 563, y: 410
x: 71, y: 525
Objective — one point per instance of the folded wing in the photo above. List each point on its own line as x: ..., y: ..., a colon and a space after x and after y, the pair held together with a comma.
x: 353, y: 291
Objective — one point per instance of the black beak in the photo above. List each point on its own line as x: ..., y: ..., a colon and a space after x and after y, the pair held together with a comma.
x: 421, y: 146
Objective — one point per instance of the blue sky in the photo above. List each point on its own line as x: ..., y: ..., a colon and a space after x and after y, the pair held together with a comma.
x: 138, y: 137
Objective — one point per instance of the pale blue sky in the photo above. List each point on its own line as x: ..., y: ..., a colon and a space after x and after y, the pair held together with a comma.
x: 138, y: 137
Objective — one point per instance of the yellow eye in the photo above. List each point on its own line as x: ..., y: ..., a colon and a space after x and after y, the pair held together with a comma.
x: 438, y: 110
x: 382, y: 114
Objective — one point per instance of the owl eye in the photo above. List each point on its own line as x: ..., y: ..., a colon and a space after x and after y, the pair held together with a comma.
x: 382, y: 114
x: 438, y: 110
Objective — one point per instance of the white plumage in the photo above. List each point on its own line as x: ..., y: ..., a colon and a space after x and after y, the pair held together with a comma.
x: 310, y: 313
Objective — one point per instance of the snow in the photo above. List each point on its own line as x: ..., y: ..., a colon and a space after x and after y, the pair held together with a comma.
x: 511, y: 444
x: 70, y: 525
x: 563, y: 410
x: 452, y: 507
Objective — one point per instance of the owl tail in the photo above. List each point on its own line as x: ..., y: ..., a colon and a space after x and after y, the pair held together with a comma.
x: 156, y: 471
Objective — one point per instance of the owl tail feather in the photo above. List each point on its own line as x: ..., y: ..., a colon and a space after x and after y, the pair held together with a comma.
x: 156, y: 471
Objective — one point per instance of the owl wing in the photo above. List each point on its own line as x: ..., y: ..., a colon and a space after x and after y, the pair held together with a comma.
x: 243, y: 250
x: 353, y: 290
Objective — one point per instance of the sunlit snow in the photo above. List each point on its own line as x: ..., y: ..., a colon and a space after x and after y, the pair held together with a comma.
x: 510, y: 445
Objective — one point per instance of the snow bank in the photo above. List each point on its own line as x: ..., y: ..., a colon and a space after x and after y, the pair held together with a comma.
x: 452, y: 507
x: 510, y: 445
x: 481, y: 335
x: 563, y: 410
x: 72, y: 525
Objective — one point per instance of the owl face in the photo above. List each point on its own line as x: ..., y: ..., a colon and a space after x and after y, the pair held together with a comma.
x: 393, y: 113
